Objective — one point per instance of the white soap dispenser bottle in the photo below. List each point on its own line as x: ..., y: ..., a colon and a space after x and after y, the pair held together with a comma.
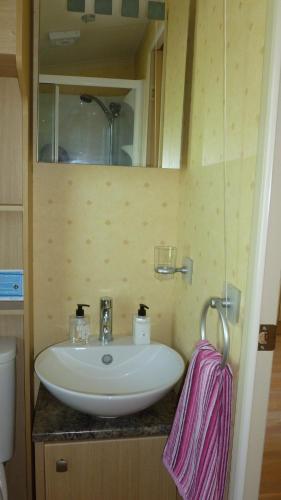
x: 141, y: 326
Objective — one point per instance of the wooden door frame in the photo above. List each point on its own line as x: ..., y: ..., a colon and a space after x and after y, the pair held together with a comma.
x: 250, y: 425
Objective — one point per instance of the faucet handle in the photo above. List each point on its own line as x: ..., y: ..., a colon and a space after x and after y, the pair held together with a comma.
x: 106, y: 302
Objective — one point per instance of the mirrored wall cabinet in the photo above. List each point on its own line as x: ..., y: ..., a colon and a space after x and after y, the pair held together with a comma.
x: 110, y: 82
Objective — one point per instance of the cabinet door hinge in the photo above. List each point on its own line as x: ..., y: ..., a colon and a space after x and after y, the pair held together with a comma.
x: 267, y: 337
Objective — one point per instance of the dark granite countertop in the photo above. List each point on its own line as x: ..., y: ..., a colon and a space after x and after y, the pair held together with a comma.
x: 53, y: 421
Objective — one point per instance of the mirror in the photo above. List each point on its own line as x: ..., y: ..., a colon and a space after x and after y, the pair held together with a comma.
x: 111, y: 81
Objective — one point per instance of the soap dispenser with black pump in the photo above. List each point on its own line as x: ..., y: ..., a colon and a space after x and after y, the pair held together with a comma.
x: 79, y: 326
x: 141, y: 326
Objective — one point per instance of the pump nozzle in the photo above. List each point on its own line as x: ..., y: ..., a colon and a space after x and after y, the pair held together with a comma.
x: 142, y: 310
x: 80, y: 311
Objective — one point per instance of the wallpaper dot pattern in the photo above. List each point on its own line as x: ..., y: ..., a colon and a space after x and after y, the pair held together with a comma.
x: 218, y: 240
x: 95, y: 231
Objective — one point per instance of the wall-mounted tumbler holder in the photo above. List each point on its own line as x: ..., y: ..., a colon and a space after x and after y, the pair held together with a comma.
x: 165, y: 258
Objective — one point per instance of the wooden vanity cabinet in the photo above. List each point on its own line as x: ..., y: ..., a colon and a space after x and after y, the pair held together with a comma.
x: 121, y: 469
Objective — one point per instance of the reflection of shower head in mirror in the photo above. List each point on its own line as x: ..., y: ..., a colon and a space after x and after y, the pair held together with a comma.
x: 86, y: 98
x: 115, y: 109
x: 112, y: 112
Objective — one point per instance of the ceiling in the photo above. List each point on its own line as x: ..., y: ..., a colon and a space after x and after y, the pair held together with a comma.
x: 106, y: 39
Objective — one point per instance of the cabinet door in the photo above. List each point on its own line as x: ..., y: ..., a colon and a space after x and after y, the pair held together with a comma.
x: 129, y: 469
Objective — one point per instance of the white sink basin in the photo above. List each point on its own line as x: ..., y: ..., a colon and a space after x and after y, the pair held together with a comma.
x: 135, y: 377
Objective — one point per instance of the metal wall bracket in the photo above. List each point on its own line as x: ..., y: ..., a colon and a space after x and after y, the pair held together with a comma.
x: 187, y: 270
x: 233, y: 296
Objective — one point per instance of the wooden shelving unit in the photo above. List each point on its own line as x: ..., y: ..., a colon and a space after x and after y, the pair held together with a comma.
x: 15, y: 221
x: 11, y: 255
x: 11, y: 308
x: 11, y: 246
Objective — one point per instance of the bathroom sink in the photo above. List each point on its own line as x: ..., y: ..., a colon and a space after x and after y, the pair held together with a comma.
x: 110, y: 380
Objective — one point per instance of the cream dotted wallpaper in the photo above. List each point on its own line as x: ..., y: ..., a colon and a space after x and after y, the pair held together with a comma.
x: 201, y: 225
x: 95, y: 229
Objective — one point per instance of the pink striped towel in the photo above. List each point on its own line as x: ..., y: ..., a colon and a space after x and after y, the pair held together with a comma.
x: 197, y: 448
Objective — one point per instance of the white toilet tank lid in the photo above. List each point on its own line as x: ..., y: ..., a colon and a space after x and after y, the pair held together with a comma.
x: 8, y: 349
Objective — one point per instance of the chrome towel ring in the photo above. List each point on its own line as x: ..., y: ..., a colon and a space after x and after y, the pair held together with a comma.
x: 218, y: 304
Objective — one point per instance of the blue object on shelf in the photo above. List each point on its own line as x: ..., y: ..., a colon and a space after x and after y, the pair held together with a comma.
x: 11, y: 284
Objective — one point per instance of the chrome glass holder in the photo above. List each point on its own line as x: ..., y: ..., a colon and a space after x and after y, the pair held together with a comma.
x: 186, y: 270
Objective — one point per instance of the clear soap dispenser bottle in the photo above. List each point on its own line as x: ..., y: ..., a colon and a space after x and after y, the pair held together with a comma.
x: 79, y: 326
x: 141, y: 326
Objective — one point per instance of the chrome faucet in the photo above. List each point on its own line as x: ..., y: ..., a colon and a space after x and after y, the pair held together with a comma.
x: 105, y: 320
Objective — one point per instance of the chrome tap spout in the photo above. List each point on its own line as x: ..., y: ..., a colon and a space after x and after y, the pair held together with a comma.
x: 105, y: 335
